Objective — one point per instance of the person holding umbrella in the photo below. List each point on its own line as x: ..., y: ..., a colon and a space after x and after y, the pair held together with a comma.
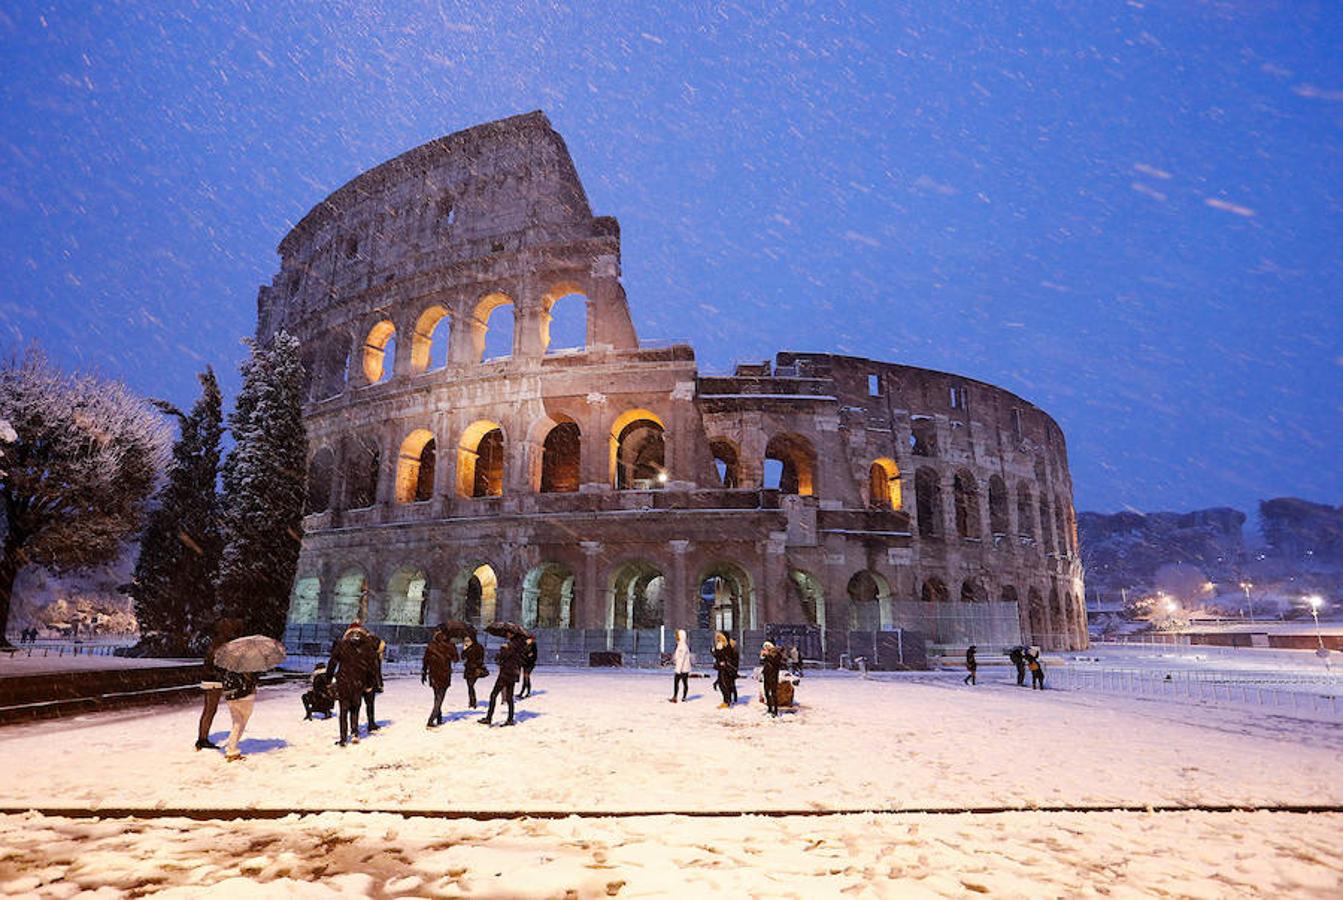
x: 226, y: 629
x: 241, y: 660
x: 473, y: 665
x: 436, y: 670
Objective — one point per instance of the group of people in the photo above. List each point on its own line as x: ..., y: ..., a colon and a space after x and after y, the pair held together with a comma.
x: 1023, y: 659
x: 27, y: 636
x: 727, y: 665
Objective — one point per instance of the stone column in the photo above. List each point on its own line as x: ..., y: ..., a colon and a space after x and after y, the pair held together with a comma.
x: 773, y: 590
x: 947, y: 479
x: 677, y: 611
x: 445, y: 465
x: 466, y: 343
x: 595, y: 452
x: 590, y: 612
x: 326, y: 592
x: 390, y: 452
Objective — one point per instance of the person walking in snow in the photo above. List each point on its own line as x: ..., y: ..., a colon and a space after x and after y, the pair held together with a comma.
x: 436, y: 670
x: 725, y: 664
x: 352, y: 667
x: 509, y: 660
x: 240, y: 694
x: 1037, y: 668
x: 734, y: 659
x: 1018, y: 659
x: 771, y: 661
x: 226, y: 629
x: 971, y: 664
x: 681, y: 666
x: 473, y: 666
x: 529, y: 657
x: 377, y: 648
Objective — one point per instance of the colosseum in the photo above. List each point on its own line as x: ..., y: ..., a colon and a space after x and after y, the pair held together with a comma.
x: 464, y: 464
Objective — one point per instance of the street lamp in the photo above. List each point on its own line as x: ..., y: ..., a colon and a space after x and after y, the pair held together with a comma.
x: 1245, y: 586
x: 1316, y: 601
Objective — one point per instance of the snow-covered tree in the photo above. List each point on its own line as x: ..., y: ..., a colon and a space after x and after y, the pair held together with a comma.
x: 84, y: 459
x: 173, y: 586
x: 264, y: 488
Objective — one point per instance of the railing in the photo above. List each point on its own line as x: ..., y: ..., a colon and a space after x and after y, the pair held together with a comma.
x: 46, y: 649
x: 1317, y: 697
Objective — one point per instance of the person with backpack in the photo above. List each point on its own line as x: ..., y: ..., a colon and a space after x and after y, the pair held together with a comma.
x: 1037, y: 668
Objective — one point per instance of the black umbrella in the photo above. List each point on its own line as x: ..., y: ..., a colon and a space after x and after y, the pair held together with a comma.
x: 456, y: 628
x: 507, y: 630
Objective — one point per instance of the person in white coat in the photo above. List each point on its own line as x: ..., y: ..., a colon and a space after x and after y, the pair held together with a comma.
x: 681, y: 666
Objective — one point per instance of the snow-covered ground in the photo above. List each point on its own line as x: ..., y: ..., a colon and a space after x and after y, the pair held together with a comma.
x: 610, y: 742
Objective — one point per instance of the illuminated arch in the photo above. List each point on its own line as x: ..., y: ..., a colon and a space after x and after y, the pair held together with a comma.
x: 433, y: 330
x: 548, y: 596
x: 883, y: 478
x: 798, y: 463
x: 869, y: 601
x: 407, y: 594
x: 480, y: 460
x: 563, y: 291
x: 415, y: 466
x: 376, y: 366
x: 638, y: 450
x: 485, y: 308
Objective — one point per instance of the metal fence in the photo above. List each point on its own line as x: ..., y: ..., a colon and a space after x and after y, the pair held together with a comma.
x: 45, y: 649
x: 994, y: 624
x: 1312, y: 696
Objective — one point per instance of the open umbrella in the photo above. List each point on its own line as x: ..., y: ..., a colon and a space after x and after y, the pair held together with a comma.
x: 254, y: 653
x: 456, y: 628
x: 507, y: 630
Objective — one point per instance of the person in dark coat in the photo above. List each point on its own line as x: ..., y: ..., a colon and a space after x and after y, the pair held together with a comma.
x: 1037, y: 668
x: 734, y: 659
x: 509, y: 660
x: 377, y: 651
x: 1018, y: 658
x: 226, y: 629
x: 319, y: 698
x: 473, y: 666
x: 352, y: 666
x: 971, y: 664
x: 724, y: 663
x: 529, y: 657
x: 437, y: 672
x: 771, y: 661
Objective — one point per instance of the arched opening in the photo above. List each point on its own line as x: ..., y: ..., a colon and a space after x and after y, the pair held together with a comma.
x: 415, y: 467
x: 809, y: 594
x: 480, y: 460
x: 634, y: 599
x: 496, y: 327
x: 303, y: 601
x: 407, y: 594
x: 548, y: 597
x: 966, y: 494
x: 934, y: 591
x: 321, y: 471
x: 1035, y: 614
x: 1061, y: 526
x: 795, y: 465
x: 726, y: 462
x: 869, y: 602
x: 1025, y: 513
x: 1046, y: 524
x: 928, y: 502
x: 564, y: 327
x: 429, y: 344
x: 638, y: 452
x: 1071, y: 616
x: 561, y: 453
x: 475, y: 593
x: 1057, y: 621
x: 725, y: 598
x: 1009, y: 594
x: 350, y: 600
x: 883, y: 484
x: 973, y: 591
x: 998, y: 520
x: 362, y: 468
x: 380, y: 352
x: 923, y: 437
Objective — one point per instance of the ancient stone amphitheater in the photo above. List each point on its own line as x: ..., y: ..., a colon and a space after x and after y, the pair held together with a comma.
x: 464, y: 465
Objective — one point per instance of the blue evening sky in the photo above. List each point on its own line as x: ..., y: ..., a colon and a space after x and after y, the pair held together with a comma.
x: 1129, y: 213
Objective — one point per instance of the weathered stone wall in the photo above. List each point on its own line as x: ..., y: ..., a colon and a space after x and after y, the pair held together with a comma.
x: 423, y: 251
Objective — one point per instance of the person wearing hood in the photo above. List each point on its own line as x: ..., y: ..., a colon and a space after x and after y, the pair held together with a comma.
x: 473, y: 666
x: 509, y: 660
x: 771, y: 661
x: 352, y: 669
x: 724, y: 661
x: 529, y: 657
x: 971, y: 664
x: 681, y: 666
x: 436, y: 670
x: 318, y: 698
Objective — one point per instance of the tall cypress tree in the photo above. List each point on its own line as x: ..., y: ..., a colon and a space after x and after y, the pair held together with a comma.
x: 264, y: 488
x: 173, y: 587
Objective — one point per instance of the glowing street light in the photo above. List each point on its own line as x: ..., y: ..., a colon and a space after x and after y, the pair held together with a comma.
x: 1249, y: 604
x: 1315, y: 601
